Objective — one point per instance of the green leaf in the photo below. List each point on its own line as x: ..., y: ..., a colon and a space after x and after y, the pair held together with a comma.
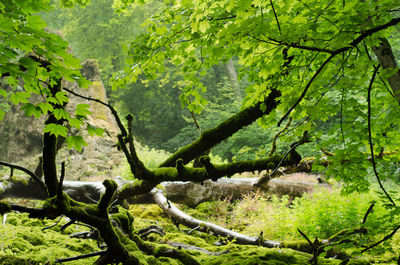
x: 56, y: 129
x: 61, y: 97
x: 76, y: 141
x: 3, y: 93
x: 204, y: 26
x: 77, y: 123
x: 20, y: 97
x: 45, y: 107
x: 36, y: 22
x: 31, y: 109
x: 93, y: 130
x: 263, y: 107
x: 82, y: 110
x: 61, y: 114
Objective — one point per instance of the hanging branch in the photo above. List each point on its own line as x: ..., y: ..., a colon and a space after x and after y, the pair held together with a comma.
x: 333, y: 53
x: 370, y: 210
x: 303, y: 94
x: 27, y: 171
x: 276, y: 17
x: 382, y: 240
x: 273, y: 148
x: 113, y: 111
x: 370, y: 137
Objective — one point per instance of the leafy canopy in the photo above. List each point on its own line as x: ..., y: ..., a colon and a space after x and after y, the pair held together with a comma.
x: 317, y: 54
x: 32, y: 61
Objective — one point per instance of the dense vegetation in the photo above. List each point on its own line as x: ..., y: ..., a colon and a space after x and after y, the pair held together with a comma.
x: 217, y: 79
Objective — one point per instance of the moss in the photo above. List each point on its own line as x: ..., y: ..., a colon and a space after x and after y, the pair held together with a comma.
x: 300, y: 245
x: 358, y: 262
x: 251, y: 255
x: 188, y: 239
x: 19, y: 179
x: 146, y: 211
x: 124, y: 219
x: 23, y: 242
x: 13, y: 260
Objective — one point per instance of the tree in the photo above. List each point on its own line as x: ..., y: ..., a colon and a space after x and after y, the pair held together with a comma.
x: 305, y: 59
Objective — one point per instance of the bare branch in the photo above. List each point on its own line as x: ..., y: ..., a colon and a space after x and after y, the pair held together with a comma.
x: 276, y: 17
x: 370, y: 137
x: 27, y: 171
x: 303, y: 94
x: 383, y: 239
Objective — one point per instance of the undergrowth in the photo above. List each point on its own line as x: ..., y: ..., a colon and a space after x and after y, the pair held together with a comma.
x: 319, y: 214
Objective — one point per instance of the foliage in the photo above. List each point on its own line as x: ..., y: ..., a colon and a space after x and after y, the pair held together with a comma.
x: 95, y: 31
x: 32, y: 62
x: 321, y: 214
x: 304, y: 53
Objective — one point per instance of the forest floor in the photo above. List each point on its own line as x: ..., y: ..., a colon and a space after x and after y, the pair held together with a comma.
x: 321, y: 214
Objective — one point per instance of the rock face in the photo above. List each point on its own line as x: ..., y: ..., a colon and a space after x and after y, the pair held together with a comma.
x: 21, y: 136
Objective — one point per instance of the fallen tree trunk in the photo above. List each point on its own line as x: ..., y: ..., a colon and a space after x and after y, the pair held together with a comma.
x: 191, y: 193
x: 300, y: 245
x: 203, y: 226
x: 188, y: 193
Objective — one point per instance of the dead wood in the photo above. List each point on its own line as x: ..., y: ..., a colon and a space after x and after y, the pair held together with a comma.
x: 187, y: 192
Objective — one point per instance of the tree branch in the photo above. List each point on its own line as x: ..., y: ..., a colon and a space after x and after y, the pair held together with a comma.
x: 303, y: 94
x: 37, y: 179
x: 211, y: 137
x: 370, y: 137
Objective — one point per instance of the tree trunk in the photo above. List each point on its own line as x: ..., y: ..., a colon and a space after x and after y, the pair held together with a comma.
x: 386, y: 58
x: 232, y: 76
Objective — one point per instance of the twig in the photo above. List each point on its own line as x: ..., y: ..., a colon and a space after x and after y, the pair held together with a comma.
x: 113, y: 111
x: 193, y: 229
x: 27, y: 171
x: 53, y: 225
x: 370, y: 137
x: 273, y: 148
x: 93, y: 254
x: 196, y: 123
x: 314, y: 246
x: 306, y: 88
x: 64, y: 226
x: 276, y: 17
x: 382, y: 240
x: 370, y: 210
x: 293, y: 146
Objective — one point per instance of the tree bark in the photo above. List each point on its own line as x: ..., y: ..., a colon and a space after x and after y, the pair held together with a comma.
x: 386, y: 58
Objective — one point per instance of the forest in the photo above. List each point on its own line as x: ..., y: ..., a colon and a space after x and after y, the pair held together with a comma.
x: 200, y: 132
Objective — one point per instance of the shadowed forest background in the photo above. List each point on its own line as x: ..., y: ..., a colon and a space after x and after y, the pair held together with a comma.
x: 199, y: 132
